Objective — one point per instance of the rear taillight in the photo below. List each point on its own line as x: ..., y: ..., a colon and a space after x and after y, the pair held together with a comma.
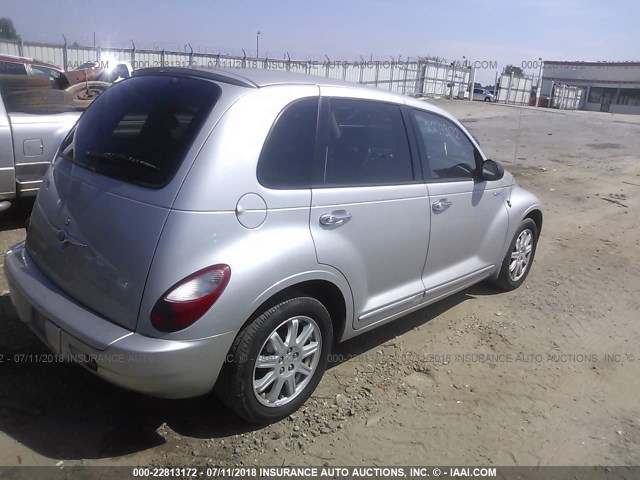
x: 189, y: 299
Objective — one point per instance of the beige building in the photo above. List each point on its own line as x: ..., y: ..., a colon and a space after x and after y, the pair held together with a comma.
x: 604, y: 86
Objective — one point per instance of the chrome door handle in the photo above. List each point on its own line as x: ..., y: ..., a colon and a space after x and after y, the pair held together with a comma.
x: 335, y: 218
x: 441, y: 205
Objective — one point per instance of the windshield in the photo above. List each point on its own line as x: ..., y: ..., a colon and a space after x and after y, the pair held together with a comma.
x: 140, y: 130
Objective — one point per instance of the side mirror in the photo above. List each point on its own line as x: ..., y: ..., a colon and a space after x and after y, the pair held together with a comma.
x: 491, y: 170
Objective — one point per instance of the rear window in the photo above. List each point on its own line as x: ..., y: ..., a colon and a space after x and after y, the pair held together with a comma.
x: 11, y: 68
x: 140, y: 130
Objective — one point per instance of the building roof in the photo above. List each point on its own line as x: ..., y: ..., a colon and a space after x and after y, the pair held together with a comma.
x: 593, y: 64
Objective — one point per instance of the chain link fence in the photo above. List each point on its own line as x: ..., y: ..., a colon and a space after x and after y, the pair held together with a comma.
x: 421, y: 78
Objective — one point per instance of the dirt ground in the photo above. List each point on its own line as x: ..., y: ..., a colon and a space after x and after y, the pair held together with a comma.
x: 544, y: 375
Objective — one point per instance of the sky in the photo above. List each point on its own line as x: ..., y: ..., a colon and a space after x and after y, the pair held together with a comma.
x: 500, y: 31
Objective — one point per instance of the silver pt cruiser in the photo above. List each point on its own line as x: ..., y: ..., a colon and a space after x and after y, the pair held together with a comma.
x: 202, y: 229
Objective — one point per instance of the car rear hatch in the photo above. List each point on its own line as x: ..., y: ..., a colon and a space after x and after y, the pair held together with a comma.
x: 104, y: 202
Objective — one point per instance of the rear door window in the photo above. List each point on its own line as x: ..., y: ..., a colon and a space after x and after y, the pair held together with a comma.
x: 367, y: 145
x: 140, y: 130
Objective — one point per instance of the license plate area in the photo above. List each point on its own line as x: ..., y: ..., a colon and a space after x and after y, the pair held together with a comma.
x: 47, y: 331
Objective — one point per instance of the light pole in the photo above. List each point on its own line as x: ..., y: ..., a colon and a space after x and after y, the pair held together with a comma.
x: 539, y: 82
x: 258, y: 44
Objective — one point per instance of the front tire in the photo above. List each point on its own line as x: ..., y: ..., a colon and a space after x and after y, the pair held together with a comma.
x: 517, y: 262
x: 277, y: 361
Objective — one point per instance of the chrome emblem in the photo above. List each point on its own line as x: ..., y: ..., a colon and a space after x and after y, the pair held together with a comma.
x: 64, y: 238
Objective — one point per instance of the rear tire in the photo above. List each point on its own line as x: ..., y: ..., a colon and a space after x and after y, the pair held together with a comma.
x: 517, y: 262
x: 266, y: 379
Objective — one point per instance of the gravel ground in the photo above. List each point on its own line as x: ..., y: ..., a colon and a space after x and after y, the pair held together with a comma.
x: 544, y: 375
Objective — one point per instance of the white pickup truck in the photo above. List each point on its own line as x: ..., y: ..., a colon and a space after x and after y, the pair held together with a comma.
x: 39, y: 103
x: 28, y: 143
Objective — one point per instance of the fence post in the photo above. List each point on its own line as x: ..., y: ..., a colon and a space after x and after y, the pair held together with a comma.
x: 65, y: 55
x: 472, y: 84
x: 133, y: 54
x: 453, y: 80
x: 20, y: 48
x: 162, y: 53
x: 416, y: 85
x: 509, y: 89
x: 404, y: 80
x: 190, y: 55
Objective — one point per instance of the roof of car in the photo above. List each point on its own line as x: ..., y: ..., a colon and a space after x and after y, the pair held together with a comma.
x: 15, y: 59
x: 257, y: 78
x: 248, y: 77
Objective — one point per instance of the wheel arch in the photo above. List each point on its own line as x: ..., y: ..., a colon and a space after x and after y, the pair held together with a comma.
x: 536, y: 216
x: 332, y: 290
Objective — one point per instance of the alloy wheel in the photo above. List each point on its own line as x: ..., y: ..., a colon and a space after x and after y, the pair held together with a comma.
x: 287, y: 361
x: 521, y: 255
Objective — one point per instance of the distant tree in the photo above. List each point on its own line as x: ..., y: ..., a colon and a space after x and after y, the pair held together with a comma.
x: 517, y: 71
x: 477, y: 85
x: 7, y: 30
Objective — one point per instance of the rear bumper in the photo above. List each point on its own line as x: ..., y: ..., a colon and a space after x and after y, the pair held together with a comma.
x: 162, y: 368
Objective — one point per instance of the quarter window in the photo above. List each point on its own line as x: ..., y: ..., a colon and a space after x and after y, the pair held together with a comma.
x: 286, y: 158
x: 367, y: 144
x: 450, y: 153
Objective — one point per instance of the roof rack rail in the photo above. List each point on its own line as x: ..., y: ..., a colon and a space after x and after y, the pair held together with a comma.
x: 211, y: 74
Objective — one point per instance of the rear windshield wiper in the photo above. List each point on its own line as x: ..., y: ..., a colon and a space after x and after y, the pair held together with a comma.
x: 71, y: 159
x: 119, y: 157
